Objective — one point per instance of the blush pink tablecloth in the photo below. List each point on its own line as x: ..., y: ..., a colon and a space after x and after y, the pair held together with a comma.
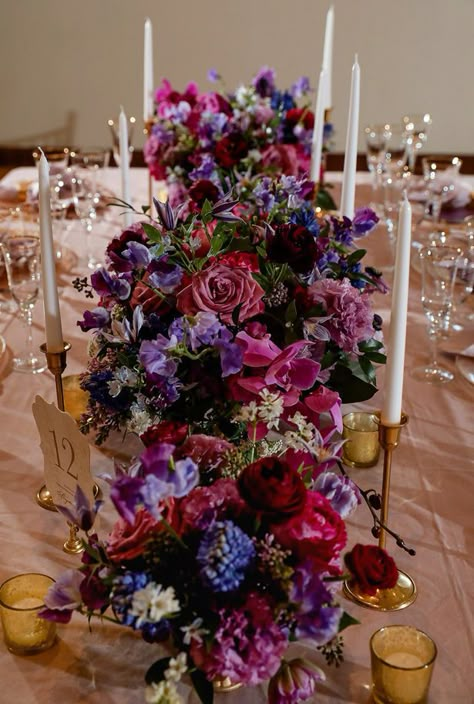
x: 431, y: 505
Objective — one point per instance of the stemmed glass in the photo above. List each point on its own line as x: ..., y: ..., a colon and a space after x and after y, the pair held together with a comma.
x: 22, y: 260
x: 114, y: 129
x: 440, y: 175
x: 416, y: 128
x: 376, y: 141
x: 438, y: 269
x: 62, y: 197
x: 85, y: 167
x: 396, y: 150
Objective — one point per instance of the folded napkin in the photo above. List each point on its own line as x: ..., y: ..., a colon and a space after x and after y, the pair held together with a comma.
x: 458, y: 197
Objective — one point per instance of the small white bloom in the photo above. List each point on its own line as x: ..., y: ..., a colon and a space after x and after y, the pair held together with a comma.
x: 153, y: 603
x: 163, y: 692
x: 115, y: 387
x: 176, y: 668
x: 194, y: 632
x: 247, y: 414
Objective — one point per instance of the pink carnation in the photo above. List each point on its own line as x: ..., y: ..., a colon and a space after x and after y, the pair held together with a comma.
x: 350, y: 312
x: 206, y: 504
x: 247, y: 645
x: 206, y: 450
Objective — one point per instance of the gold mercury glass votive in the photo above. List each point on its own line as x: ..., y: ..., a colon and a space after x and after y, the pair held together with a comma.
x: 21, y: 598
x: 402, y: 660
x: 361, y: 432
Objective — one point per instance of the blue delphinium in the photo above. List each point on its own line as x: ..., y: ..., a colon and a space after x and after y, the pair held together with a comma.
x: 224, y: 555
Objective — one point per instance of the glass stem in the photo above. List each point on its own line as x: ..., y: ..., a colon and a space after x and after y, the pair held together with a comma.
x: 27, y: 315
x: 433, y: 337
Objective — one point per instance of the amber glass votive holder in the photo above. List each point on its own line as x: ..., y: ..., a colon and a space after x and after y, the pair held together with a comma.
x: 21, y: 598
x: 360, y: 429
x: 402, y: 659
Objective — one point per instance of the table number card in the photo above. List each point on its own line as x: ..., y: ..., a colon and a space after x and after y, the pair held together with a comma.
x: 66, y: 453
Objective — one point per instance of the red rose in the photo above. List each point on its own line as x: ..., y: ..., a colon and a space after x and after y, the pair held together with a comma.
x: 169, y: 431
x: 230, y: 150
x: 221, y: 289
x: 144, y: 296
x: 317, y: 533
x: 294, y: 245
x: 203, y: 190
x: 271, y: 486
x: 206, y: 451
x: 372, y: 568
x: 303, y: 115
x: 244, y: 260
x: 126, y: 540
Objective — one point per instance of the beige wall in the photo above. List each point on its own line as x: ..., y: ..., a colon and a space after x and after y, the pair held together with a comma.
x: 67, y: 65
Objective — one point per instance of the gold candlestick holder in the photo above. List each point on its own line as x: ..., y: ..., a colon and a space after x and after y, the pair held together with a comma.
x: 404, y: 592
x: 73, y: 545
x: 57, y: 362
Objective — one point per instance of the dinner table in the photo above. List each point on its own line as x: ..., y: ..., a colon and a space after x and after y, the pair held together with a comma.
x: 430, y: 505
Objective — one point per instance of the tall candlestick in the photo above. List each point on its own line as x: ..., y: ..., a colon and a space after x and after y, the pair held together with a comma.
x: 148, y: 72
x: 124, y: 164
x: 327, y: 56
x: 318, y: 129
x: 52, y: 316
x: 350, y: 158
x: 392, y: 406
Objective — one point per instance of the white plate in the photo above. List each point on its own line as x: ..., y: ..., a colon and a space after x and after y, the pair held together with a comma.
x: 465, y: 365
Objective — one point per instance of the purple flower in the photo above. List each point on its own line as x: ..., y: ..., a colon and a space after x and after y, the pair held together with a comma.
x: 364, y: 220
x: 349, y: 314
x: 264, y: 82
x: 63, y: 597
x: 106, y: 285
x: 314, y: 619
x: 212, y: 75
x: 165, y: 275
x: 262, y: 193
x: 231, y: 354
x: 207, y: 166
x: 125, y: 494
x: 342, y: 228
x: 343, y: 494
x: 224, y: 555
x: 82, y: 514
x: 154, y: 360
x: 294, y: 682
x: 300, y: 87
x: 95, y: 318
x: 137, y: 254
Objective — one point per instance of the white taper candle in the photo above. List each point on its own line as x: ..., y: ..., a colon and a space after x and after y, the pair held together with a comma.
x: 124, y: 164
x: 327, y: 56
x: 148, y: 72
x: 318, y: 129
x: 393, y: 386
x: 52, y: 315
x: 350, y: 157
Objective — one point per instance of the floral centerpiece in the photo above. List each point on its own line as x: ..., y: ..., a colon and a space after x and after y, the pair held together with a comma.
x: 239, y: 303
x: 226, y: 575
x: 222, y: 138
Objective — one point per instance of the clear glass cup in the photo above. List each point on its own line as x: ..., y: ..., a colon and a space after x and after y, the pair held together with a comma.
x: 62, y: 198
x: 440, y: 175
x: 438, y: 271
x: 22, y: 260
x: 360, y: 429
x: 114, y: 130
x: 21, y: 598
x: 416, y: 127
x: 402, y: 661
x: 57, y: 157
x: 375, y: 143
x: 396, y: 150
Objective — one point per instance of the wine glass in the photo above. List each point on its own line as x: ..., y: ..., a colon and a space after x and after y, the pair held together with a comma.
x: 114, y: 129
x: 22, y: 260
x: 62, y: 197
x: 396, y: 150
x: 440, y: 174
x: 438, y: 271
x: 375, y: 141
x: 416, y: 128
x: 57, y: 158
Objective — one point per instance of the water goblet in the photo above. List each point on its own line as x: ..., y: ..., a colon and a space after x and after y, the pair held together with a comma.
x: 396, y: 150
x: 62, y: 198
x: 57, y: 158
x: 375, y: 141
x: 440, y: 174
x: 416, y: 128
x: 114, y: 129
x: 22, y: 260
x: 89, y: 163
x: 438, y: 271
x: 85, y: 205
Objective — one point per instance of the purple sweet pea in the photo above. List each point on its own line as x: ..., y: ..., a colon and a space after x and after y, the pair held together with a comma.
x: 207, y: 167
x: 63, y: 597
x: 364, y: 220
x: 155, y: 361
x: 264, y: 82
x: 82, y: 514
x: 231, y: 354
x: 343, y: 494
x: 315, y: 620
x: 125, y: 494
x: 96, y: 318
x: 295, y: 681
x: 137, y: 254
x: 164, y: 275
x: 300, y: 87
x: 106, y: 285
x: 212, y: 75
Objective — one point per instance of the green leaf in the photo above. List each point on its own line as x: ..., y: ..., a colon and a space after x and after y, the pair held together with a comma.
x: 376, y: 357
x: 203, y: 687
x: 356, y: 256
x: 240, y: 244
x: 206, y: 212
x: 235, y: 314
x: 324, y: 200
x: 156, y: 672
x: 151, y: 232
x: 351, y: 388
x: 367, y: 369
x: 346, y: 621
x: 291, y: 313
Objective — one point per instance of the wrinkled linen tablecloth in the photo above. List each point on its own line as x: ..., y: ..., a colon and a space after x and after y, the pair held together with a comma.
x: 431, y: 505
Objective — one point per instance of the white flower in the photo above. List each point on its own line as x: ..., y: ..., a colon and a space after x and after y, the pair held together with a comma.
x: 270, y: 408
x: 247, y: 414
x: 177, y: 667
x: 163, y: 692
x: 194, y: 632
x: 153, y: 603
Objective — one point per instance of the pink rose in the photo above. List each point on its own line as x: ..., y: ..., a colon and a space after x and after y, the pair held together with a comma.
x: 293, y: 368
x: 220, y: 289
x: 126, y: 540
x: 281, y: 158
x: 206, y: 504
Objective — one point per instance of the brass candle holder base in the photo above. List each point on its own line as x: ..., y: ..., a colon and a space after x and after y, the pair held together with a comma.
x: 404, y: 592
x: 225, y: 684
x: 398, y: 597
x: 44, y: 499
x: 73, y: 545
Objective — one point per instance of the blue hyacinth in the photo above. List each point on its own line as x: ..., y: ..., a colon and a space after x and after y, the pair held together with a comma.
x: 224, y: 554
x: 125, y: 585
